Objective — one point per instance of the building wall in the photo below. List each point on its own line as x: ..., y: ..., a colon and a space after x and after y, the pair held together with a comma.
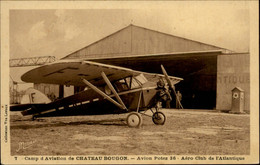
x: 146, y: 41
x: 48, y: 89
x: 232, y: 71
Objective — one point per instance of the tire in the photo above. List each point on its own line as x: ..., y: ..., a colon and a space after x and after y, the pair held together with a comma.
x: 159, y: 118
x: 134, y: 119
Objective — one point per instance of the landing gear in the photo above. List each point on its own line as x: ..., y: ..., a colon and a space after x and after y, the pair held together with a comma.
x: 134, y: 119
x: 159, y: 118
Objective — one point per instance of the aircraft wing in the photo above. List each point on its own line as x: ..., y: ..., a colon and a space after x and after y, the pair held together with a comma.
x: 70, y: 72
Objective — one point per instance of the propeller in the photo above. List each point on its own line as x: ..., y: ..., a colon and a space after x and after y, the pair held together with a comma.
x: 170, y: 84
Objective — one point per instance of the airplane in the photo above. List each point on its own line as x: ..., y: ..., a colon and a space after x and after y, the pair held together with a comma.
x: 107, y: 89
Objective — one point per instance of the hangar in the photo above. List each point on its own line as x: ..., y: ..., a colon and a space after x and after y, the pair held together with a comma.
x: 209, y: 72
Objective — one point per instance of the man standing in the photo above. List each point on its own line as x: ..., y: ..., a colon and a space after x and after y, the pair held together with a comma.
x: 179, y: 97
x: 163, y: 95
x: 168, y: 101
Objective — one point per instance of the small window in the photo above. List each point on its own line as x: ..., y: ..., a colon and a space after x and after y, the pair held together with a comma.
x: 121, y: 85
x: 134, y: 84
x: 128, y: 81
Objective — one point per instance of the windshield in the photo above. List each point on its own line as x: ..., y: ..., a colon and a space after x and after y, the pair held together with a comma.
x: 141, y: 79
x: 130, y: 83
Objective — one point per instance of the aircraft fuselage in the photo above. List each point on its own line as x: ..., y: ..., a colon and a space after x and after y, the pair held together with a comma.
x: 89, y: 103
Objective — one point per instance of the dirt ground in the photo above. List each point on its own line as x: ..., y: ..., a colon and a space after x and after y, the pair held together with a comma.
x: 186, y: 132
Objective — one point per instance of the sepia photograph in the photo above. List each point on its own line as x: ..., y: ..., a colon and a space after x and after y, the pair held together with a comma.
x: 129, y: 82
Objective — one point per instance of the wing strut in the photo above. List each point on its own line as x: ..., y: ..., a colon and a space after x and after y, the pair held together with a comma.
x: 113, y: 90
x: 102, y: 93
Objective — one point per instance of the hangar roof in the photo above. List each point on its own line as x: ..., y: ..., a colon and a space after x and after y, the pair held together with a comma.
x: 135, y: 40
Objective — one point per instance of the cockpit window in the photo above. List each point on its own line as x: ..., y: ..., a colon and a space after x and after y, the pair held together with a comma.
x: 136, y: 82
x: 130, y: 83
x: 141, y: 78
x: 121, y: 85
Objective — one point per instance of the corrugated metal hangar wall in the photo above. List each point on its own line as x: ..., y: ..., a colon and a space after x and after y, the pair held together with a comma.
x: 135, y: 40
x: 145, y: 50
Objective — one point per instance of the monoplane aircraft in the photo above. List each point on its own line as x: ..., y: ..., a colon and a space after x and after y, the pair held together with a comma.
x: 107, y: 89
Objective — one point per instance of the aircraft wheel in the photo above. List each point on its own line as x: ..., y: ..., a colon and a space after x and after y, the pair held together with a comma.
x: 33, y: 118
x: 159, y: 118
x: 134, y: 119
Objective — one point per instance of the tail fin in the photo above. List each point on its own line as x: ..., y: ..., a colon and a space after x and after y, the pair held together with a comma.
x: 33, y: 96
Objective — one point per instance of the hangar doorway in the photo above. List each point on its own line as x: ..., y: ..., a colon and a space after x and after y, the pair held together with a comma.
x: 199, y: 71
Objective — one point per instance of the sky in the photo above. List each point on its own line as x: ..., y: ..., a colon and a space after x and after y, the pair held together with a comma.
x: 60, y: 32
x: 51, y: 32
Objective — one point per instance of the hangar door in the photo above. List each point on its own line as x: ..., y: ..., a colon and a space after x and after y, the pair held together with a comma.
x: 198, y: 70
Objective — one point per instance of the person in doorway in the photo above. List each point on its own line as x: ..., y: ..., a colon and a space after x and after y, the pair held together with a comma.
x: 193, y: 101
x: 168, y: 101
x: 178, y: 99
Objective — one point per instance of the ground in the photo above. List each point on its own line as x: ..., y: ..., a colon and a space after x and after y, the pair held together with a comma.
x: 186, y: 132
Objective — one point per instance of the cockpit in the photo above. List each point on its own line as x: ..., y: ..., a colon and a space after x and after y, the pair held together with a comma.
x: 128, y: 83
